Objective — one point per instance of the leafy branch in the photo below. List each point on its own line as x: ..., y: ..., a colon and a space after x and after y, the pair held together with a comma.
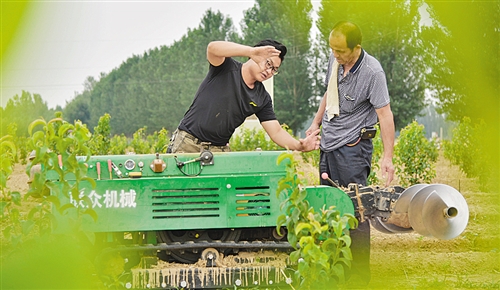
x: 321, y: 239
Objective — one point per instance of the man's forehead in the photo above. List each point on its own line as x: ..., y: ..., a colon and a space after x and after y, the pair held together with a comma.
x: 276, y: 60
x: 337, y: 40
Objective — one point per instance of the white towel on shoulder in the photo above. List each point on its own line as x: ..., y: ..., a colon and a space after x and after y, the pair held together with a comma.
x: 332, y: 93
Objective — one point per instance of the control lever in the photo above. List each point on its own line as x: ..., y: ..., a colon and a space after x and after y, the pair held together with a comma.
x: 117, y: 170
x: 206, y: 158
x: 324, y: 176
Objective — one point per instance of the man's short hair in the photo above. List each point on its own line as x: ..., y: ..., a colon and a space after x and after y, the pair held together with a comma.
x: 278, y: 45
x: 351, y: 32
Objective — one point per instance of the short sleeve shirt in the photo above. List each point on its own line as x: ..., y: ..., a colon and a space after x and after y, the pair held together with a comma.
x: 361, y: 91
x: 223, y: 102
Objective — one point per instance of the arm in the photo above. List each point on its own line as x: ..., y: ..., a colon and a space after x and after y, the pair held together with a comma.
x: 285, y: 140
x: 386, y: 120
x: 217, y: 51
x: 316, y: 123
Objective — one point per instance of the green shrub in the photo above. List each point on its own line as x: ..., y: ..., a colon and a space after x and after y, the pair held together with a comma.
x: 139, y: 143
x: 376, y: 154
x: 100, y: 141
x: 159, y: 141
x: 253, y: 139
x: 321, y: 239
x: 415, y: 156
x: 118, y: 144
x: 467, y: 150
x: 13, y: 226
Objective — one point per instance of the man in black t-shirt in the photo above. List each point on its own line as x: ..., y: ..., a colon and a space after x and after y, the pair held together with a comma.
x: 231, y: 92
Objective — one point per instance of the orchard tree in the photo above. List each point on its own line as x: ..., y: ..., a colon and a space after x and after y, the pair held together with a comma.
x: 22, y: 110
x: 466, y: 83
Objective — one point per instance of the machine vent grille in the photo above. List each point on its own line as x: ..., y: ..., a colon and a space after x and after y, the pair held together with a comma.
x: 253, y: 201
x: 186, y: 203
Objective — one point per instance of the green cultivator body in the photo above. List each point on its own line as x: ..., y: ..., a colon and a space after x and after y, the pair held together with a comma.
x: 209, y: 220
x: 185, y: 207
x: 152, y: 193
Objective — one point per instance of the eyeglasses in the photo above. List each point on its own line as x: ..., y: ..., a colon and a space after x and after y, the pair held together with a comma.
x: 269, y: 65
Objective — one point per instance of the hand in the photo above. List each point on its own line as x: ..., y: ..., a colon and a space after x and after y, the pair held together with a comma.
x: 261, y: 53
x: 312, y: 128
x: 311, y: 142
x: 387, y: 170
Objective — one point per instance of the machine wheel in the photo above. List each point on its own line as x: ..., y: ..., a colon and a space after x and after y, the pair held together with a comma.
x: 184, y: 236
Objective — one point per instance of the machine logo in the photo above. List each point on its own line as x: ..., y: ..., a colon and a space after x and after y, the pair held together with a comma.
x: 110, y: 199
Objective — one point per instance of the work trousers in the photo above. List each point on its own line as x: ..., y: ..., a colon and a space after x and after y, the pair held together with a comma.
x: 352, y: 164
x: 183, y: 142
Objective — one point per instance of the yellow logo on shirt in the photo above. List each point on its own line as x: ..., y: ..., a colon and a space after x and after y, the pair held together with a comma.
x: 253, y: 104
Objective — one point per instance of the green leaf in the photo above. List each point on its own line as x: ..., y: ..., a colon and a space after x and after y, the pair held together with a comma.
x: 302, y: 226
x: 346, y: 252
x: 7, y: 232
x: 3, y: 205
x: 307, y: 241
x: 292, y: 239
x: 92, y: 213
x: 64, y: 128
x: 38, y: 122
x: 346, y: 239
x: 280, y: 222
x: 65, y: 207
x: 90, y: 180
x: 54, y: 200
x: 14, y: 215
x: 339, y: 272
x: 294, y: 256
x: 283, y: 156
x: 33, y: 212
x: 330, y: 245
x: 16, y: 197
x: 27, y: 226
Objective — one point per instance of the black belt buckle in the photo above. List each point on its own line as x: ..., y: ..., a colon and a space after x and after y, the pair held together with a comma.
x: 368, y: 132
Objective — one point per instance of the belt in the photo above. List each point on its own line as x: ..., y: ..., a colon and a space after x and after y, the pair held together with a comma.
x: 198, y: 141
x: 354, y: 143
x: 189, y: 136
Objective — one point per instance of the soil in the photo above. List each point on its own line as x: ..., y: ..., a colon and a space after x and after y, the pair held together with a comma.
x: 412, y: 261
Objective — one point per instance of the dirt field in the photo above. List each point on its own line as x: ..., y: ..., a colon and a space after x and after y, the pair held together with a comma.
x: 411, y: 261
x: 470, y: 261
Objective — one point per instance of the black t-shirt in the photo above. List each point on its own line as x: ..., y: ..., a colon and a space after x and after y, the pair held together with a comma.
x: 223, y: 102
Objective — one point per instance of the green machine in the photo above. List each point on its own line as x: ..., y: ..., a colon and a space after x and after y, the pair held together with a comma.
x: 208, y: 220
x: 185, y: 207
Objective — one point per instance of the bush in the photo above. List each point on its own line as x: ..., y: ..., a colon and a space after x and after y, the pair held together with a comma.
x: 376, y: 154
x: 100, y: 141
x: 468, y: 152
x: 253, y: 139
x: 324, y: 239
x: 415, y: 156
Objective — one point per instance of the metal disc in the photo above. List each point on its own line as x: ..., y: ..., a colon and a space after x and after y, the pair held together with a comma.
x: 415, y: 210
x: 404, y: 199
x: 395, y: 229
x: 379, y: 226
x: 388, y: 228
x: 445, y: 212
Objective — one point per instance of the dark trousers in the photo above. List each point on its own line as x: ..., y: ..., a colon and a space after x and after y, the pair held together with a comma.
x: 352, y: 164
x: 348, y: 164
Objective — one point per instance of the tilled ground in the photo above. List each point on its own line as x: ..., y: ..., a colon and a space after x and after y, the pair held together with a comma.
x: 469, y: 261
